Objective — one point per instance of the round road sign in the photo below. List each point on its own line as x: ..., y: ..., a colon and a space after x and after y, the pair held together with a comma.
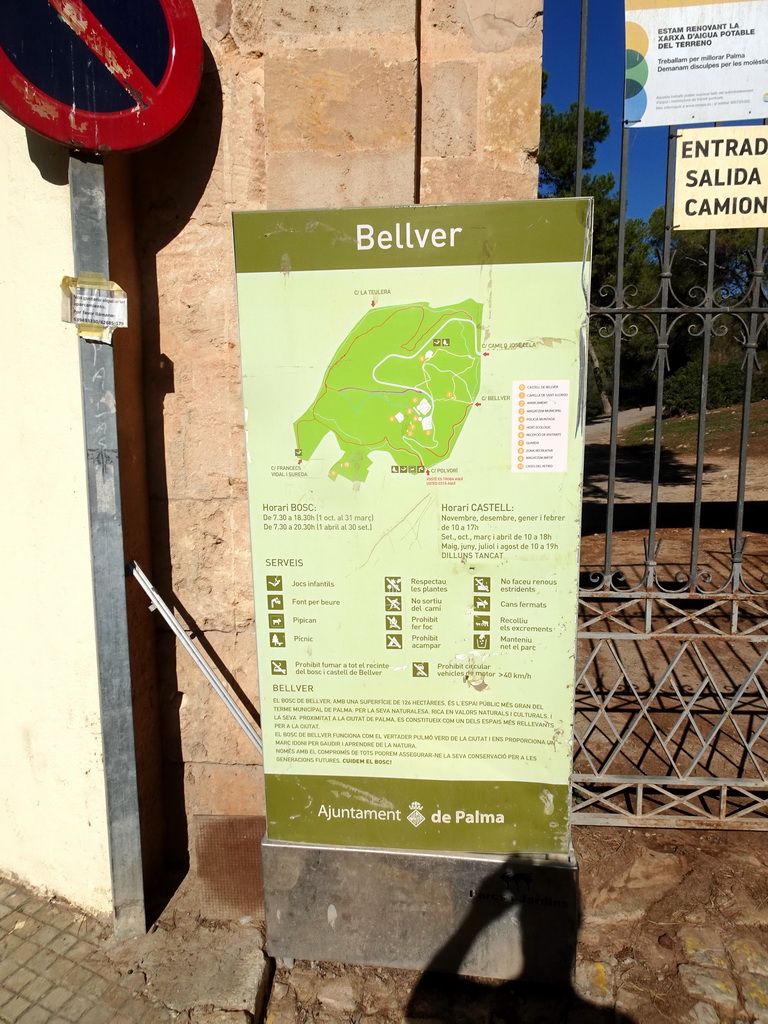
x: 103, y: 75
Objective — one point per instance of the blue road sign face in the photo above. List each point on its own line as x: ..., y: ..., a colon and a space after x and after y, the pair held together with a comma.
x: 49, y: 54
x: 99, y: 74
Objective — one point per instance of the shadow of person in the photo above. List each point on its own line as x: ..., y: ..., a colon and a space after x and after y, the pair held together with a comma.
x: 522, y: 925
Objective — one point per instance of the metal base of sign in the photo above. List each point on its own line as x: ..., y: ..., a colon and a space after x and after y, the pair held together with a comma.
x: 478, y: 915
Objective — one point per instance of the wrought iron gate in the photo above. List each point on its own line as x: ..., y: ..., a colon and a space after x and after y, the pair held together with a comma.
x: 671, y: 726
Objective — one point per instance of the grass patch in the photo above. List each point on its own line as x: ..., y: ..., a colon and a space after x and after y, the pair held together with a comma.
x: 723, y: 432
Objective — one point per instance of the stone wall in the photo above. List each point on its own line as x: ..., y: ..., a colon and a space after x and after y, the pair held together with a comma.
x: 303, y: 104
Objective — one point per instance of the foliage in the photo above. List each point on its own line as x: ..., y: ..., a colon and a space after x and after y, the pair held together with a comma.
x: 725, y: 386
x: 641, y: 265
x: 557, y: 148
x: 722, y: 430
x: 557, y: 177
x: 692, y: 253
x: 731, y: 262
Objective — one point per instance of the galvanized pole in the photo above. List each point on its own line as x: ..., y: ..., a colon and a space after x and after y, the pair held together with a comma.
x: 89, y: 233
x: 582, y: 98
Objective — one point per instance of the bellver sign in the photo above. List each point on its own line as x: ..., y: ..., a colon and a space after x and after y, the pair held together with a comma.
x: 413, y: 390
x: 103, y: 75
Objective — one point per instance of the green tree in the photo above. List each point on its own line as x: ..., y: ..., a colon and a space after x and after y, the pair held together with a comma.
x: 731, y: 261
x: 557, y: 178
x: 732, y: 264
x: 557, y: 146
x: 641, y: 265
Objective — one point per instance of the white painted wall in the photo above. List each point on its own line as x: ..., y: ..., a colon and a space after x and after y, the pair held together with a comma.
x: 53, y: 830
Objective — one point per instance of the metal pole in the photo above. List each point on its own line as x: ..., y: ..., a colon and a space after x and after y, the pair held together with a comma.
x: 582, y: 98
x: 662, y: 361
x: 89, y: 234
x: 618, y: 327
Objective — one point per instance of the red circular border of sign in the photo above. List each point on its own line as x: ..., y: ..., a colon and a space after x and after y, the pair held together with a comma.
x: 124, y: 129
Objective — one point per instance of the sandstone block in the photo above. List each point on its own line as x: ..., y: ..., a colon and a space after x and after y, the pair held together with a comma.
x: 213, y: 379
x: 290, y: 20
x: 497, y: 25
x: 239, y: 168
x: 222, y: 789
x: 338, y: 99
x: 512, y: 106
x: 363, y: 178
x: 247, y: 26
x: 211, y: 562
x: 205, y: 450
x: 445, y: 31
x: 174, y: 179
x: 455, y: 29
x: 198, y: 271
x: 449, y: 109
x: 215, y: 17
x: 188, y: 703
x: 209, y: 733
x: 468, y: 180
x: 226, y: 970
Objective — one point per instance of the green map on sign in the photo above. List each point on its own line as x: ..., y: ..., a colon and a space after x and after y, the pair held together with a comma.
x: 403, y: 381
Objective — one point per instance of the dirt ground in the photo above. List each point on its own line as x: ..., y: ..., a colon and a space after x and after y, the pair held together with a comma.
x: 634, y: 462
x: 675, y: 918
x: 677, y: 478
x: 674, y: 929
x: 674, y: 554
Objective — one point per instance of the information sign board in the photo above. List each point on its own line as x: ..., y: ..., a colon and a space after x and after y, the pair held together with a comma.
x: 721, y: 178
x: 692, y: 61
x: 102, y: 75
x: 413, y: 390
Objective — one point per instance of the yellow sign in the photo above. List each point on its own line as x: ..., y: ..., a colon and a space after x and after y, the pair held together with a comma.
x: 721, y: 178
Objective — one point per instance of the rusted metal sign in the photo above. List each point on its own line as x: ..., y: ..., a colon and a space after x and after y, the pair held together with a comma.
x: 100, y: 76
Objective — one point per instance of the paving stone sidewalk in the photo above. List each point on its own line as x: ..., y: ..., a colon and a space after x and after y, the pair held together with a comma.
x: 674, y: 931
x: 59, y: 966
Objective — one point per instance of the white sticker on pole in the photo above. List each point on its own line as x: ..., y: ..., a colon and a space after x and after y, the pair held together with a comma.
x: 97, y: 306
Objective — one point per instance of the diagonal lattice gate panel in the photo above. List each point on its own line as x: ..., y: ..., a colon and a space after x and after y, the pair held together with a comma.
x: 671, y: 699
x: 671, y: 725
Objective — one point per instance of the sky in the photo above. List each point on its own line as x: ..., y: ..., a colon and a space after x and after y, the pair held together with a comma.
x: 605, y: 91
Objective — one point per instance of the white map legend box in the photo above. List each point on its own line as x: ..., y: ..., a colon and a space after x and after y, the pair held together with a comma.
x: 540, y: 426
